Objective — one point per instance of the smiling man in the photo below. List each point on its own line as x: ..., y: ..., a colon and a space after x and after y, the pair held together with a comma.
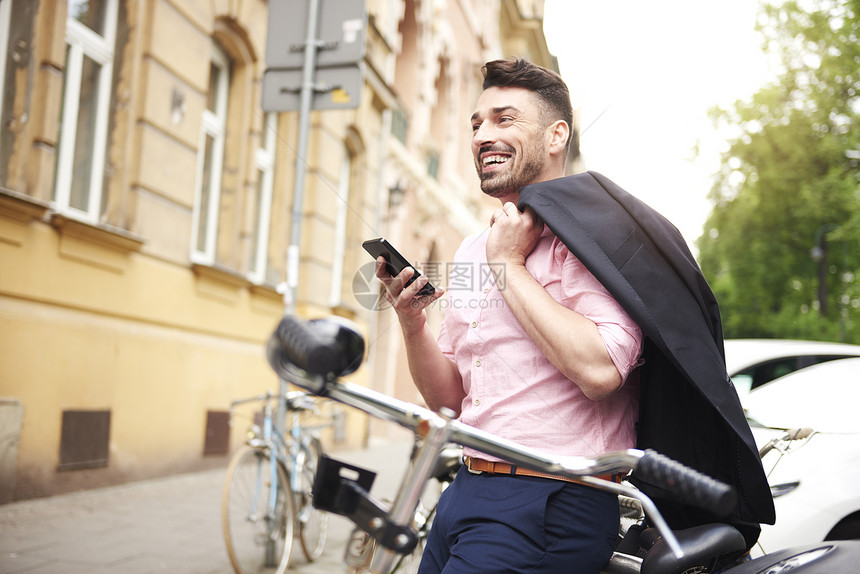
x: 536, y: 351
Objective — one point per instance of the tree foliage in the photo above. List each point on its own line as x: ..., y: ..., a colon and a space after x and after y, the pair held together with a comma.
x: 782, y: 244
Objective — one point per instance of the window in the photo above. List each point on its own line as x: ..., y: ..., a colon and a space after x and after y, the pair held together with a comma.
x: 90, y: 36
x: 210, y: 160
x: 762, y: 373
x: 265, y: 163
x: 5, y: 9
x: 342, y: 209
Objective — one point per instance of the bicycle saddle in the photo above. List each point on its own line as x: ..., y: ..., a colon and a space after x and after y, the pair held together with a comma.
x: 322, y: 348
x: 701, y: 544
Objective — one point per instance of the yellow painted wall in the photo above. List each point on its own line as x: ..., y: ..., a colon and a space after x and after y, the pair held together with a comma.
x: 150, y: 341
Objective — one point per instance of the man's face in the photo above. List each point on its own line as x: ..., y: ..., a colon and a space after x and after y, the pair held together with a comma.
x: 508, y: 140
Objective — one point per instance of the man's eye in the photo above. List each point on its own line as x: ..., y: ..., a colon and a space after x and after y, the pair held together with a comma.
x: 475, y: 127
x: 505, y: 119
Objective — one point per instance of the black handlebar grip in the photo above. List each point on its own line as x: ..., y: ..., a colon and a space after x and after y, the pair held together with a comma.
x: 295, y: 342
x: 691, y: 486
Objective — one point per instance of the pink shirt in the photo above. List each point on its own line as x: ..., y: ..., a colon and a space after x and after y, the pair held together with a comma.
x: 512, y: 390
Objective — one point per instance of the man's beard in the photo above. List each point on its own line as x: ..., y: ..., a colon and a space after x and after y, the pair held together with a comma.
x: 528, y: 167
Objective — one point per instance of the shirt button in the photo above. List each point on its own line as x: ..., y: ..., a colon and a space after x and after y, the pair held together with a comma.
x: 478, y: 363
x: 486, y: 289
x: 474, y: 324
x: 477, y: 402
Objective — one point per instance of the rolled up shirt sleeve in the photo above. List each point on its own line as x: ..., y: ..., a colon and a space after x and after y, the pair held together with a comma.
x: 583, y: 293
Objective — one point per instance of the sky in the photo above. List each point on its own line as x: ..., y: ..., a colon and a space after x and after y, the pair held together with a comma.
x: 643, y: 75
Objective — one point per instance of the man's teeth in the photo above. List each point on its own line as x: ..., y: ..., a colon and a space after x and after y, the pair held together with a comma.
x: 495, y: 159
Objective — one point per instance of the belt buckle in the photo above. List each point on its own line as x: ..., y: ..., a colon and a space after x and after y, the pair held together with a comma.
x: 468, y: 461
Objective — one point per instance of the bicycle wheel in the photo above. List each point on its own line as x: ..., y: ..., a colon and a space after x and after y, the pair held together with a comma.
x: 259, y: 538
x: 313, y: 523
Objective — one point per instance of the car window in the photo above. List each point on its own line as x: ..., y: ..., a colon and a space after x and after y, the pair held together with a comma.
x: 823, y: 397
x: 762, y: 373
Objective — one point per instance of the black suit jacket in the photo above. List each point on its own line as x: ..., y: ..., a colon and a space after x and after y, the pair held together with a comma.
x: 689, y: 409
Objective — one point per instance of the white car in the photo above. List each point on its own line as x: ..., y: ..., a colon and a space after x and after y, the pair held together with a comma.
x: 752, y: 363
x: 815, y: 483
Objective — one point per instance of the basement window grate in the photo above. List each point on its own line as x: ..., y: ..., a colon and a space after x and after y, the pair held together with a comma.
x: 84, y: 439
x: 217, y: 433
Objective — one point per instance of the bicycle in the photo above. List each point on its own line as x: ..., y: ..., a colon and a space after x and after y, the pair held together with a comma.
x: 315, y: 355
x: 267, y: 497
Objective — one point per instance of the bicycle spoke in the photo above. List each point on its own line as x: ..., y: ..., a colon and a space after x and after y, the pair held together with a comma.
x: 257, y: 521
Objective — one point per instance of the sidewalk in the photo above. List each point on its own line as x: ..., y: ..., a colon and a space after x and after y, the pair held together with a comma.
x: 168, y: 525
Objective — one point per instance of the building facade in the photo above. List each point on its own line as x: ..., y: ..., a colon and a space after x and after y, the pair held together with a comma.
x: 145, y: 217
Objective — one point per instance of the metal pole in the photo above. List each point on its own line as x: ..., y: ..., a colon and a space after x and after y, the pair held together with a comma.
x: 307, y: 95
x: 293, y: 255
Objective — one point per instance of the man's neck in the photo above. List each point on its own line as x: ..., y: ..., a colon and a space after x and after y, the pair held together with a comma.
x: 514, y: 195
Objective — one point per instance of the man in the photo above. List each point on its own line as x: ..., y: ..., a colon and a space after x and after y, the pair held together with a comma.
x: 536, y: 351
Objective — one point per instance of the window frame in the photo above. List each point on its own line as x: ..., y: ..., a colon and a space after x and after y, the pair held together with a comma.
x: 214, y: 125
x: 82, y: 42
x: 340, y: 226
x: 5, y: 16
x: 264, y: 160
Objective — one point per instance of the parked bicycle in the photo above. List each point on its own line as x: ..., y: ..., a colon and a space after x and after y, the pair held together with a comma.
x: 316, y: 354
x: 267, y: 498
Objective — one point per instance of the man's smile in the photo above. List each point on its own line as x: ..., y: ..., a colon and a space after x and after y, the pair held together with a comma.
x: 494, y: 159
x: 490, y: 159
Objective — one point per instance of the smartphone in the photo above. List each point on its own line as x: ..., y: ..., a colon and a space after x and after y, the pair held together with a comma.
x: 395, y: 262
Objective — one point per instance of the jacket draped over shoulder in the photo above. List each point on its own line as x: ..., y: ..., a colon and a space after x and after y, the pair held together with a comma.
x: 689, y: 409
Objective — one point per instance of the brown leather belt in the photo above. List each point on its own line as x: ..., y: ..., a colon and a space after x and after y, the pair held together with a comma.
x: 479, y: 465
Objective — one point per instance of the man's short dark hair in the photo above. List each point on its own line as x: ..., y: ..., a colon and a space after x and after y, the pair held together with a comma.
x: 548, y: 85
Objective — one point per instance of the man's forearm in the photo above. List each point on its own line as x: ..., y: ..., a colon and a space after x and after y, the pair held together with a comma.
x: 436, y: 377
x: 569, y: 340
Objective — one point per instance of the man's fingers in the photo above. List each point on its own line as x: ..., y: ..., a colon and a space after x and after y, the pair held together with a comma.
x: 496, y: 214
x: 532, y: 217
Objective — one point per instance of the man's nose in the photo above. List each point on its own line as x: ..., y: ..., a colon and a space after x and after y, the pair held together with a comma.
x: 483, y: 134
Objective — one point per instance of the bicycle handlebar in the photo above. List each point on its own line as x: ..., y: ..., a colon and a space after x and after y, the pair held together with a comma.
x: 788, y: 436
x: 291, y: 351
x: 295, y: 401
x: 690, y: 486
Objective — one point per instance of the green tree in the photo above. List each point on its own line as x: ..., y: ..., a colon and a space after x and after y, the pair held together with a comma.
x: 781, y: 247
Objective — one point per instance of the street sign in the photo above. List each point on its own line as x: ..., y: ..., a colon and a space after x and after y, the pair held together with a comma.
x: 336, y: 89
x: 339, y: 46
x: 340, y: 33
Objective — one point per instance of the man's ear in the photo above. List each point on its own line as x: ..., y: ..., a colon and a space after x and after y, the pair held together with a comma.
x: 559, y: 133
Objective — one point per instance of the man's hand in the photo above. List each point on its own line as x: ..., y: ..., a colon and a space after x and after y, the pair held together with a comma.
x: 513, y: 235
x: 408, y: 305
x: 436, y: 377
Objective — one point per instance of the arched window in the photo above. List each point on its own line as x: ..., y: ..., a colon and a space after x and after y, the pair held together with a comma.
x: 439, y: 114
x: 340, y: 225
x: 265, y: 165
x: 210, y: 160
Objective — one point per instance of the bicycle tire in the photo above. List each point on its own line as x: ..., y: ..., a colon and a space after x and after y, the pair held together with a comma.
x: 254, y: 543
x: 313, y: 523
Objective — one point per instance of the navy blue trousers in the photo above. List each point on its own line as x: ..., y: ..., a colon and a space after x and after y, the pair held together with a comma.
x: 499, y: 523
